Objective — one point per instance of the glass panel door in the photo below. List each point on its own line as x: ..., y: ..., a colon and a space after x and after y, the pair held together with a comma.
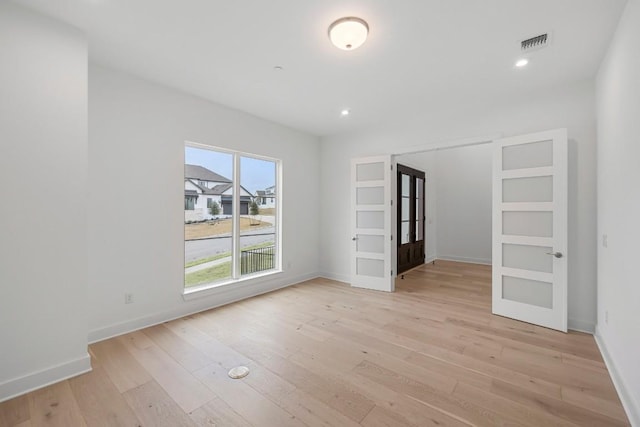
x: 410, y: 251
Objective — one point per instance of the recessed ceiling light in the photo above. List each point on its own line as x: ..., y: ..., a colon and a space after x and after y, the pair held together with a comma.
x: 345, y: 112
x: 348, y: 33
x: 522, y: 62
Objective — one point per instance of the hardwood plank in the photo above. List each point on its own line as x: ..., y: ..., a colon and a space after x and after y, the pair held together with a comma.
x: 551, y: 369
x: 154, y: 407
x: 323, y: 353
x: 15, y: 411
x: 557, y: 408
x: 302, y: 405
x: 184, y: 353
x: 99, y: 400
x: 519, y: 413
x: 464, y: 362
x: 404, y: 407
x: 123, y: 370
x: 137, y: 339
x: 467, y: 411
x: 242, y: 398
x: 380, y: 417
x: 55, y: 406
x: 184, y: 388
x: 583, y: 363
x: 322, y: 383
x: 584, y: 400
x: 218, y: 413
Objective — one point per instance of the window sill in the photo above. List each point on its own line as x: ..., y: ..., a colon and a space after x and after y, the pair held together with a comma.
x: 203, y: 291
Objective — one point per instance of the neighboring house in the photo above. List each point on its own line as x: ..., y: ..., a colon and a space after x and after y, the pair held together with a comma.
x: 203, y: 187
x: 266, y: 198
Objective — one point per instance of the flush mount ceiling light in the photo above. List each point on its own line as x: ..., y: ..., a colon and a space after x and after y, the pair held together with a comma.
x: 348, y: 33
x: 522, y: 62
x: 345, y: 112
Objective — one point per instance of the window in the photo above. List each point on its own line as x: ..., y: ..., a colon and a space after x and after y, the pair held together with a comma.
x: 230, y: 236
x: 189, y: 202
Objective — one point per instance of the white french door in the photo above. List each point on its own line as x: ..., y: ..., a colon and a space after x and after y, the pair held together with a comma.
x: 371, y: 246
x: 530, y: 228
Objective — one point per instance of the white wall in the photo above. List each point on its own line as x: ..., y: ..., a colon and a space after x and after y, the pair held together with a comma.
x: 43, y: 152
x: 618, y: 94
x: 570, y: 106
x: 137, y: 131
x: 459, y: 195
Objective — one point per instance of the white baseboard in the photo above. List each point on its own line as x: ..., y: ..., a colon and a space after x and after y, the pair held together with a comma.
x: 631, y: 408
x: 463, y: 259
x: 35, y: 380
x: 338, y: 277
x: 582, y: 326
x: 430, y: 259
x: 226, y: 295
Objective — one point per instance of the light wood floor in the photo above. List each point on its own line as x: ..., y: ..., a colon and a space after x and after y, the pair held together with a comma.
x: 324, y: 354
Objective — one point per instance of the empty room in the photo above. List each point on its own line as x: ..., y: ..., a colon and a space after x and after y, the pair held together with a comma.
x: 319, y: 213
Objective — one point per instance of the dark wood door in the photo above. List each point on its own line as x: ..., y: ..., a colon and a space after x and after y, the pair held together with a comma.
x: 411, y: 217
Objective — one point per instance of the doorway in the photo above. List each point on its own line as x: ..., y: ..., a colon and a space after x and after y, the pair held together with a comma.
x: 411, y: 218
x: 507, y: 208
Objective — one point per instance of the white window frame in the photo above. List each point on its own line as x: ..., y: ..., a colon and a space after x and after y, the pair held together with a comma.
x: 236, y: 278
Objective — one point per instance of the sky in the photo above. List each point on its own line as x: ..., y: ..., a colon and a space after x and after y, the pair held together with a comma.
x: 255, y: 174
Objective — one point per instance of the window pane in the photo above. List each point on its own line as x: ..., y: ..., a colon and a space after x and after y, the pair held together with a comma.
x: 406, y: 185
x: 208, y: 216
x: 258, y: 210
x: 405, y: 211
x: 404, y: 233
x: 420, y: 209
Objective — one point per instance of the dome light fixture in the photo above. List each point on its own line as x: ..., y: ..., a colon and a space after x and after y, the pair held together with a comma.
x: 348, y: 33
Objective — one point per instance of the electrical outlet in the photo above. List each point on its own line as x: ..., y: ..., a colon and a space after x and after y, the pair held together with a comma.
x: 605, y: 241
x: 128, y: 298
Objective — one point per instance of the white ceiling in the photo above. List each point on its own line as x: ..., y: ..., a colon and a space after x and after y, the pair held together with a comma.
x: 420, y: 55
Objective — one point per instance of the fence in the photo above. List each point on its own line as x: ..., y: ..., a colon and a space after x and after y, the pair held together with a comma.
x: 254, y: 260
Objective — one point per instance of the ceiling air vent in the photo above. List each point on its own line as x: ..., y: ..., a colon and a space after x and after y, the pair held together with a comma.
x: 535, y: 43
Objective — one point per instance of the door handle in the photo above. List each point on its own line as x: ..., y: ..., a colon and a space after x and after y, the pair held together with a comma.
x: 555, y: 254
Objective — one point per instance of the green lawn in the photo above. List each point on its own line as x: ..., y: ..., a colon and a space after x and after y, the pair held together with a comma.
x: 217, y: 272
x: 208, y: 275
x: 208, y: 259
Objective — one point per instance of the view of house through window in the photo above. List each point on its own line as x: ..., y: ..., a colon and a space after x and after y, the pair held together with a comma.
x: 229, y: 226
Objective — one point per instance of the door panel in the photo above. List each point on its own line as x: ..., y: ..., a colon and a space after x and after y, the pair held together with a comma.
x: 371, y: 223
x: 530, y: 228
x: 410, y: 193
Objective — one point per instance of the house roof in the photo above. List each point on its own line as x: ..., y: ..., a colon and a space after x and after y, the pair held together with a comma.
x: 203, y: 174
x: 218, y: 189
